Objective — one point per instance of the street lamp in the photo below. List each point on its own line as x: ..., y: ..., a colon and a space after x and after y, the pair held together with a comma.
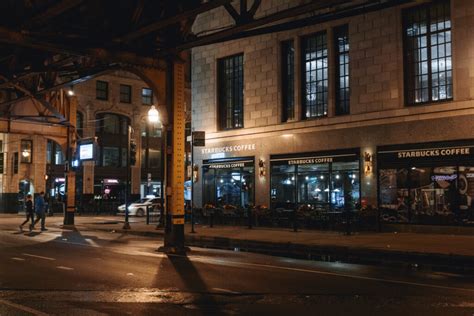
x: 153, y: 115
x: 154, y: 118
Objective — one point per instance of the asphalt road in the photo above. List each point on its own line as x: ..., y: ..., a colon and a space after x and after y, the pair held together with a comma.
x: 64, y: 272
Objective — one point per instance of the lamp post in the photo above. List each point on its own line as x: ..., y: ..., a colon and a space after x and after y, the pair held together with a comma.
x: 126, y: 225
x: 153, y: 118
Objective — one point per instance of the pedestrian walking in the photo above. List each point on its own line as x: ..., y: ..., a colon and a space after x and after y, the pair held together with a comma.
x: 40, y: 212
x: 29, y: 212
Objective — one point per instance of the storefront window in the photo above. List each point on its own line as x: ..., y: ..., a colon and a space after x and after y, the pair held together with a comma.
x: 209, y: 187
x: 228, y: 185
x: 345, y: 185
x: 420, y: 194
x: 393, y: 185
x: 427, y: 184
x: 283, y: 188
x: 323, y: 181
x: 313, y: 185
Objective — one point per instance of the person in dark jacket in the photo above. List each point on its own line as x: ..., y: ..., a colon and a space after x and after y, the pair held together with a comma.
x: 40, y: 212
x: 29, y: 212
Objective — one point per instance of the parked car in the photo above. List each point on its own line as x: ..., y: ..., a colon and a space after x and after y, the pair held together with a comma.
x: 138, y: 208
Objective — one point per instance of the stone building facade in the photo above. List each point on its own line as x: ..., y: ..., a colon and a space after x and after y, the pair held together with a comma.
x: 370, y: 110
x: 104, y: 107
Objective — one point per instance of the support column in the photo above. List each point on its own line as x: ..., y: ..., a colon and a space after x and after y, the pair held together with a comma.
x: 70, y: 203
x: 174, y: 232
x: 70, y: 198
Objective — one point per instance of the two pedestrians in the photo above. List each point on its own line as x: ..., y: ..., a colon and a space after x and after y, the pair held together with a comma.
x: 29, y: 212
x: 40, y: 212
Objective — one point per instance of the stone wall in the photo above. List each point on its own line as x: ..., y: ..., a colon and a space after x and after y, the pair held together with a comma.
x: 376, y: 70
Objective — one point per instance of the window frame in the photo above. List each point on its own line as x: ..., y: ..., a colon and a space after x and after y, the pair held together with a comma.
x: 101, y: 90
x: 323, y: 107
x: 342, y: 105
x: 26, y: 159
x: 80, y: 123
x: 233, y: 86
x: 287, y: 51
x: 410, y: 75
x: 16, y: 162
x: 147, y: 99
x: 125, y: 96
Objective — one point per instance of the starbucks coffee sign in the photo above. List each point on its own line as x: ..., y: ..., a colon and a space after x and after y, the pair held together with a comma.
x: 449, y: 152
x: 459, y: 151
x: 228, y: 149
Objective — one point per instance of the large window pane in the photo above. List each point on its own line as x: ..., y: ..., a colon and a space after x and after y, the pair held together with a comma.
x: 313, y: 185
x: 232, y: 186
x: 315, y: 75
x: 288, y: 80
x: 209, y: 186
x: 428, y: 53
x: 394, y: 195
x: 345, y: 191
x: 230, y: 92
x: 102, y: 90
x: 125, y: 93
x: 341, y: 41
x: 283, y: 185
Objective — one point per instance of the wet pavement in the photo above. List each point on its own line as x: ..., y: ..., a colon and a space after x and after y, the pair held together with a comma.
x: 448, y: 252
x: 86, y: 271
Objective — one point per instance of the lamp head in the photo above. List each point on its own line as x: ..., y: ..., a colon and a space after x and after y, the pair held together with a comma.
x: 153, y: 115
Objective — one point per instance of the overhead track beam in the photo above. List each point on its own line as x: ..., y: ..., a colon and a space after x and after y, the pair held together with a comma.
x: 51, y: 12
x: 288, y: 13
x: 158, y: 25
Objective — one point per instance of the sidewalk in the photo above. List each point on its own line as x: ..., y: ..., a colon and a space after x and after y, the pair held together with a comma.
x: 442, y: 251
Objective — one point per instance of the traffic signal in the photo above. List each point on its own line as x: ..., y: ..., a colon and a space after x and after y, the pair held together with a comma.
x: 133, y: 152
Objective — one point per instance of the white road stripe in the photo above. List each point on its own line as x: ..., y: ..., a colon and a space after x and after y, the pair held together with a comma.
x: 64, y: 268
x: 224, y: 290
x: 39, y: 257
x: 334, y: 274
x: 18, y: 259
x: 92, y: 243
x: 23, y: 308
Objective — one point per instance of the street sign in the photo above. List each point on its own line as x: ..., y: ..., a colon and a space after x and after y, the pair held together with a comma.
x: 199, y: 138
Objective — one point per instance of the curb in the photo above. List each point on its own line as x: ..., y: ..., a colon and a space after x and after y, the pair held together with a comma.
x: 329, y: 253
x: 340, y: 253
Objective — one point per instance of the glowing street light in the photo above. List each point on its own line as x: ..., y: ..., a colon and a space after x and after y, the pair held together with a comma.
x: 153, y: 115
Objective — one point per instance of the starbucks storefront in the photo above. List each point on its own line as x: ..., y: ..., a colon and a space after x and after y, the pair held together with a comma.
x: 229, y: 182
x: 325, y: 181
x: 431, y: 183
